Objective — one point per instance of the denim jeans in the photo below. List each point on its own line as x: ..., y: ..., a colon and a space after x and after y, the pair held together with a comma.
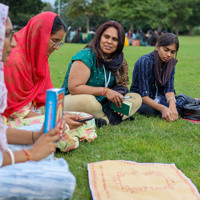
x: 149, y: 111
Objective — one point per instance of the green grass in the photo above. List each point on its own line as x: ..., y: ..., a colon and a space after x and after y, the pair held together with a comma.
x: 145, y: 139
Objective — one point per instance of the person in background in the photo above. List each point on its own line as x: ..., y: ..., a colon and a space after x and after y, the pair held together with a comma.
x: 24, y: 174
x: 90, y: 35
x: 98, y: 75
x: 78, y: 38
x: 130, y: 36
x: 152, y: 38
x: 141, y: 37
x: 153, y: 79
x: 70, y: 34
x: 158, y: 33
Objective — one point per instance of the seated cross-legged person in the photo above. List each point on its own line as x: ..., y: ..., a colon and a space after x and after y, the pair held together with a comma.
x: 98, y: 75
x: 29, y: 68
x: 153, y: 79
x: 24, y: 174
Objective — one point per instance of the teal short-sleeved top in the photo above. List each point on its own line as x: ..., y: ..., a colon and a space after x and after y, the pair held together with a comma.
x: 97, y: 77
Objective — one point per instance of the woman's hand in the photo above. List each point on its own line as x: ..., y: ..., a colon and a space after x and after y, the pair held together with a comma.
x: 115, y: 97
x: 168, y: 114
x: 174, y: 111
x: 37, y: 134
x: 45, y: 145
x: 170, y: 96
x: 119, y: 113
x: 72, y: 120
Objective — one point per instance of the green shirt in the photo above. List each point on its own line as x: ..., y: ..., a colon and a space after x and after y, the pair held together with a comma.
x: 97, y: 77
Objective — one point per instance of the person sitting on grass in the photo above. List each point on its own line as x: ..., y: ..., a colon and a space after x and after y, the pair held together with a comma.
x: 141, y: 37
x: 153, y: 79
x: 29, y: 68
x: 70, y: 34
x: 78, y: 38
x: 24, y: 174
x: 98, y: 75
x: 130, y: 36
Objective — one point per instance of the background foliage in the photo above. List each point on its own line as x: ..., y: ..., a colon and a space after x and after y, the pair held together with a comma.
x: 179, y: 16
x: 21, y: 11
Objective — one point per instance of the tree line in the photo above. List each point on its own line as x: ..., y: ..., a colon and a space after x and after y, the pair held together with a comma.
x: 178, y: 16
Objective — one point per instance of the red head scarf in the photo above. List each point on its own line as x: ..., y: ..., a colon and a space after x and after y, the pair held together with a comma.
x: 27, y: 74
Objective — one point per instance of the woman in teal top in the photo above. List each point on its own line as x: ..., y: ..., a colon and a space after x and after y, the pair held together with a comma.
x: 98, y: 75
x: 96, y: 78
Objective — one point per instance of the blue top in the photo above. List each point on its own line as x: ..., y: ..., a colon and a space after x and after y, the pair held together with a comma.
x: 143, y: 79
x: 132, y: 35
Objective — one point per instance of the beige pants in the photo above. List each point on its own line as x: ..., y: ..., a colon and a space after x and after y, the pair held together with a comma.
x: 88, y: 104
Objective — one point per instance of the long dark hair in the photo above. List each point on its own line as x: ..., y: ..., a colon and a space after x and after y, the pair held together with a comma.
x: 76, y: 38
x: 95, y: 43
x: 168, y: 39
x: 58, y: 24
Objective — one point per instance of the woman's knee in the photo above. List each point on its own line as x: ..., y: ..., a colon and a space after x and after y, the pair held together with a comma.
x: 147, y: 110
x: 138, y: 100
x: 83, y: 103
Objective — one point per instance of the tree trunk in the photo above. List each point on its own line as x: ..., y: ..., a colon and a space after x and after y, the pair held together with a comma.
x: 191, y: 31
x: 59, y: 7
x: 159, y: 27
x: 88, y: 23
x: 132, y: 26
x: 176, y: 29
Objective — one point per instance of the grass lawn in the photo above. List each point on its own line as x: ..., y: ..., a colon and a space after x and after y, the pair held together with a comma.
x: 145, y: 139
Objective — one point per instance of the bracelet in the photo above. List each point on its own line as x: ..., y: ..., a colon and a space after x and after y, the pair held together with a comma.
x: 163, y: 109
x: 105, y: 91
x: 28, y: 157
x: 34, y: 103
x: 12, y: 157
x: 171, y: 98
x: 33, y: 138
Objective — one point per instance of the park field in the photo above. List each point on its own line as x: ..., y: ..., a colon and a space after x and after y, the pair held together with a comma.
x: 145, y: 139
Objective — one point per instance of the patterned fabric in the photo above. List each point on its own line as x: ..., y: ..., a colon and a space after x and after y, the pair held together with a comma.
x: 122, y: 75
x: 19, y: 122
x: 28, y: 64
x: 3, y: 91
x: 71, y: 138
x: 97, y: 78
x: 121, y: 179
x: 143, y: 79
x: 17, y: 119
x: 119, y: 66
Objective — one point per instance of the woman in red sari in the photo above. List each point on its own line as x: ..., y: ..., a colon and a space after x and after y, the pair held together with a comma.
x: 29, y: 68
